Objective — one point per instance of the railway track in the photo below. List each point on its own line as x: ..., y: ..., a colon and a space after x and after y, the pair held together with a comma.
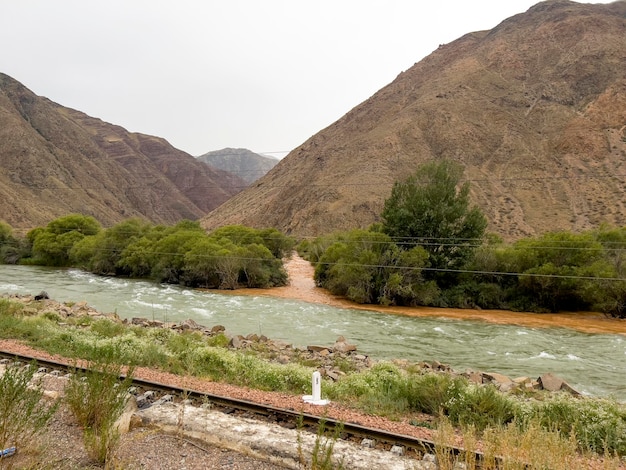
x: 398, y: 443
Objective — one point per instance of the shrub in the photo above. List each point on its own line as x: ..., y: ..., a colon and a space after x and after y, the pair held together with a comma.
x: 481, y: 406
x: 23, y: 412
x: 97, y: 398
x: 598, y: 425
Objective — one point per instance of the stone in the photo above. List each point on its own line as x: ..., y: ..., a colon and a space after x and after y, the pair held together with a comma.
x: 498, y: 379
x: 397, y: 450
x: 568, y: 388
x: 551, y: 382
x: 218, y: 329
x: 190, y: 324
x: 317, y: 349
x: 369, y: 443
x: 236, y: 342
x: 332, y: 374
x: 342, y: 346
x: 475, y: 377
x: 283, y: 359
x: 43, y: 295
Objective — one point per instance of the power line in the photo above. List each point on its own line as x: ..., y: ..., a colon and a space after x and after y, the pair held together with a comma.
x: 390, y: 267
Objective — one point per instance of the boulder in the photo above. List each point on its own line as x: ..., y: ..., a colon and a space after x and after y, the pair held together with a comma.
x: 498, y: 379
x: 475, y: 377
x: 190, y: 324
x: 236, y: 342
x: 43, y: 295
x: 342, y: 346
x: 551, y: 382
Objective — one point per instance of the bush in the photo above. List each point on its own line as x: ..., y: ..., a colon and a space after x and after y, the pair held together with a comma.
x: 482, y: 406
x: 23, y: 412
x: 97, y: 398
x: 598, y: 425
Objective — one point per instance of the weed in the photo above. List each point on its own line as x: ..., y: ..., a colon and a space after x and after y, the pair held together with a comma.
x: 321, y: 456
x: 97, y: 398
x: 23, y: 412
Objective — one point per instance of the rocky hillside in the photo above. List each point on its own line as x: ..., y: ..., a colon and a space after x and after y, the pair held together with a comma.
x: 535, y: 110
x: 244, y: 163
x: 55, y: 161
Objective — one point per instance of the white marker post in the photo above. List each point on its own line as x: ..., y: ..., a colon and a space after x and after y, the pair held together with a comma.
x: 316, y: 385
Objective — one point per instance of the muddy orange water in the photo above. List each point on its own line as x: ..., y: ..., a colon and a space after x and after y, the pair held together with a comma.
x: 302, y: 287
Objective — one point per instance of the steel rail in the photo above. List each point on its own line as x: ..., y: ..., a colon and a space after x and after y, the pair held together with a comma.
x: 352, y: 429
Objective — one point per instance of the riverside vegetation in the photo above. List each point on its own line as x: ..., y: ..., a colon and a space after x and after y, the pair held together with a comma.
x: 533, y: 428
x: 430, y: 249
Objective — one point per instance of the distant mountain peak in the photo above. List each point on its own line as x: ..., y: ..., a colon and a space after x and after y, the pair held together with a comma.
x: 244, y: 163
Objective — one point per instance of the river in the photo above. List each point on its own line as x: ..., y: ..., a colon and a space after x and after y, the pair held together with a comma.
x: 594, y: 363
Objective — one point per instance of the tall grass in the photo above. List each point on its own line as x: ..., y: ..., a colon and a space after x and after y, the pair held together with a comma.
x: 97, y: 398
x: 23, y: 412
x: 514, y: 447
x: 321, y: 455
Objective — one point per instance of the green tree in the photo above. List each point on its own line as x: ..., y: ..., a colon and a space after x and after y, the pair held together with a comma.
x: 52, y: 245
x: 201, y: 264
x: 12, y: 249
x: 608, y: 293
x: 169, y: 254
x: 367, y: 267
x: 110, y: 244
x: 432, y: 208
x: 554, y: 267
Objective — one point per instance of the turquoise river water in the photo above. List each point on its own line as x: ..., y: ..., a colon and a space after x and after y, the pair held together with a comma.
x: 593, y: 363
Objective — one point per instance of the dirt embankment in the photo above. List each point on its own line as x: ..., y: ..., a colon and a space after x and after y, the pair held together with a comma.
x: 302, y: 287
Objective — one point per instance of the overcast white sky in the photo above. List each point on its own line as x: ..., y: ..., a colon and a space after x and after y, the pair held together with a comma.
x: 208, y: 74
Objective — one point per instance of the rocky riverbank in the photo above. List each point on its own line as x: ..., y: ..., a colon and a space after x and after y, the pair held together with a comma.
x: 332, y: 361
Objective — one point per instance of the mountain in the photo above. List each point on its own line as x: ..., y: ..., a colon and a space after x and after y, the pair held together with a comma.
x: 244, y: 163
x: 55, y: 161
x: 534, y: 109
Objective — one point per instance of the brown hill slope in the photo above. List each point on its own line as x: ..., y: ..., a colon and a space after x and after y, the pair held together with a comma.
x: 55, y: 161
x: 534, y: 109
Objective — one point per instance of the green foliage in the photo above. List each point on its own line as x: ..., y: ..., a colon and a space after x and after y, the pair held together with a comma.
x: 23, y: 411
x: 481, y: 406
x: 12, y: 249
x: 367, y: 267
x: 386, y: 389
x: 52, y: 246
x: 97, y: 398
x: 597, y: 425
x: 430, y: 208
x: 228, y: 258
x: 321, y: 455
x: 248, y: 370
x: 101, y: 254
